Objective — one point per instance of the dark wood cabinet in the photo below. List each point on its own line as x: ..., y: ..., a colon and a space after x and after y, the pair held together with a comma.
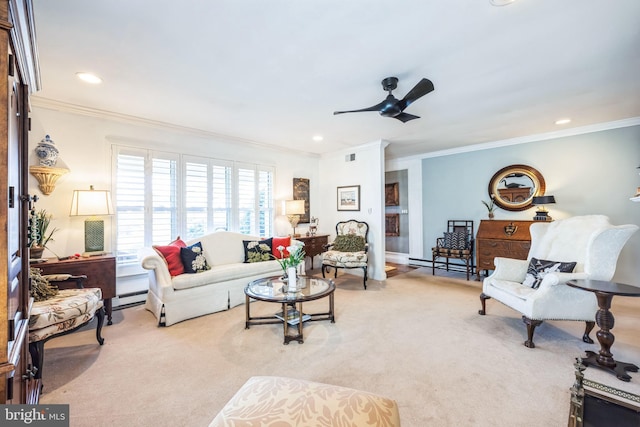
x: 17, y: 64
x: 314, y: 245
x: 501, y: 238
x: 100, y: 272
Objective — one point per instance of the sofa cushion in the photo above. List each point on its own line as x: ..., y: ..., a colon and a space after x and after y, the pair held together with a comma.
x: 348, y: 243
x: 257, y: 250
x: 538, y: 268
x: 225, y: 272
x: 193, y: 259
x: 283, y: 242
x: 171, y: 255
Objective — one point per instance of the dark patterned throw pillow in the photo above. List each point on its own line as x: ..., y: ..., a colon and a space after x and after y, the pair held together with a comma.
x: 193, y: 259
x: 257, y: 250
x: 455, y: 240
x: 538, y: 268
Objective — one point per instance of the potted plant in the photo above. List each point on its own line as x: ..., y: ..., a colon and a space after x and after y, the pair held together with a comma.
x: 38, y: 237
x: 490, y: 207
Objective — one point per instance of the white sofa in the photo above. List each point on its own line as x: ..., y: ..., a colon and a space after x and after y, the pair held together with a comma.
x: 174, y: 299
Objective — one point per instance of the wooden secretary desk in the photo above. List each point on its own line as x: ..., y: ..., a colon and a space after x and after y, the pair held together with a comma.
x: 501, y: 238
x: 18, y: 64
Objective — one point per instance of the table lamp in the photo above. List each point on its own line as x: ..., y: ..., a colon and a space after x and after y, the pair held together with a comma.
x: 542, y: 214
x: 293, y: 209
x: 92, y: 203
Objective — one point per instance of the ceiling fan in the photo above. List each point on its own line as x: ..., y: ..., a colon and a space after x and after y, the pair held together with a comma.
x: 393, y: 107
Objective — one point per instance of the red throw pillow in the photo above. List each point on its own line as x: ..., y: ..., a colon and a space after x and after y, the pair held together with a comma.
x: 280, y: 241
x: 171, y: 255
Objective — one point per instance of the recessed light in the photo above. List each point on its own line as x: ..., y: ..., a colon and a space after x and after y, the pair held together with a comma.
x: 89, y: 78
x: 563, y: 121
x: 501, y: 2
x: 317, y: 138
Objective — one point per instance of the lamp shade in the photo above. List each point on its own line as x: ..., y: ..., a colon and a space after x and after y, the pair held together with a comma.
x: 543, y: 200
x: 294, y: 207
x: 91, y: 203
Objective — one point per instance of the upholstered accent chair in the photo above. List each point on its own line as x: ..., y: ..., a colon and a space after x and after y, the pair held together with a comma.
x: 62, y: 314
x: 539, y: 294
x: 457, y: 243
x: 349, y: 249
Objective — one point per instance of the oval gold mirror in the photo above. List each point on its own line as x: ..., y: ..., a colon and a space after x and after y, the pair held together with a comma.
x: 514, y: 187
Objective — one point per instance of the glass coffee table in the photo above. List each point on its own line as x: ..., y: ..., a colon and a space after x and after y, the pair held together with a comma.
x: 274, y: 289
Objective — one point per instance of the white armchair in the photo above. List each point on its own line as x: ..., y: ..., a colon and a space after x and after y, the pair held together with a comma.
x: 590, y: 241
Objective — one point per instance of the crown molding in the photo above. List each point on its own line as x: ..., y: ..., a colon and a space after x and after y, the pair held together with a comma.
x: 633, y: 121
x: 51, y: 104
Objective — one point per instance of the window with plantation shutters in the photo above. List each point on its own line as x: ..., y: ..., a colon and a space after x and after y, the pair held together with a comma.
x: 160, y: 196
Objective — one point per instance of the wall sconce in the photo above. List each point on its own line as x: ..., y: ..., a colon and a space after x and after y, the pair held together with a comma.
x: 542, y: 214
x: 92, y: 203
x: 293, y: 209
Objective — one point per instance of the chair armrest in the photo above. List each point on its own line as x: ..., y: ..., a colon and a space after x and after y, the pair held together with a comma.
x: 58, y: 278
x: 510, y: 269
x: 553, y: 279
x: 150, y: 260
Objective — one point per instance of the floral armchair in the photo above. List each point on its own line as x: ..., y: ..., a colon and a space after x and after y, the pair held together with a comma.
x: 349, y: 249
x: 580, y: 247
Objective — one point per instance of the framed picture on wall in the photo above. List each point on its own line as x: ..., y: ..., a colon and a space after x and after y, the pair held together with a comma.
x: 392, y: 224
x: 391, y: 195
x: 301, y: 192
x: 349, y: 198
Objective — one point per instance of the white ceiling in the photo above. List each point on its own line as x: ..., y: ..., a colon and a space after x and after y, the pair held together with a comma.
x: 273, y: 71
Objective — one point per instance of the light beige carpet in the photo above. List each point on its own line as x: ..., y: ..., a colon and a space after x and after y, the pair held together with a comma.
x: 415, y: 338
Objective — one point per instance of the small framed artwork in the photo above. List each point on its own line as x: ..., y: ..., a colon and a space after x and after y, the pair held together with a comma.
x: 349, y: 198
x: 391, y: 195
x: 392, y: 224
x: 301, y: 192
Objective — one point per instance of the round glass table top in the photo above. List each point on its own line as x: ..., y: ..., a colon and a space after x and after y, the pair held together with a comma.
x: 275, y: 289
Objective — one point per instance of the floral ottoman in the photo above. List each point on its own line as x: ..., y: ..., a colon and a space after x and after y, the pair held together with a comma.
x: 279, y: 401
x: 67, y: 311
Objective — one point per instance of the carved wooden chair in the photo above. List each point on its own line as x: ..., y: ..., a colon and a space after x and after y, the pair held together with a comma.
x: 457, y: 243
x: 62, y: 314
x: 349, y: 249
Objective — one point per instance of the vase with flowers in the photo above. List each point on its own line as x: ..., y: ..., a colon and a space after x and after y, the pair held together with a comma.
x: 290, y: 264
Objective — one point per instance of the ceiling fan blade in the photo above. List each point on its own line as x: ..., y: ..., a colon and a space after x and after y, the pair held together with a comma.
x: 404, y: 117
x: 423, y: 87
x: 376, y: 107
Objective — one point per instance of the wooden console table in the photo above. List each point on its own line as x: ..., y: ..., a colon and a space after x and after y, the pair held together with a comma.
x: 501, y: 238
x: 314, y: 245
x: 100, y: 272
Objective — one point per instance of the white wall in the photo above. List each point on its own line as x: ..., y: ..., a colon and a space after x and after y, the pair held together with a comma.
x: 368, y: 172
x: 593, y: 173
x: 85, y: 142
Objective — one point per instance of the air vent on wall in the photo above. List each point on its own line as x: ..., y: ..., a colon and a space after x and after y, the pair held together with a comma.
x: 350, y: 157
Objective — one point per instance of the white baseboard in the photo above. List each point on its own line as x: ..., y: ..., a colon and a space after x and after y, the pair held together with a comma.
x: 396, y: 258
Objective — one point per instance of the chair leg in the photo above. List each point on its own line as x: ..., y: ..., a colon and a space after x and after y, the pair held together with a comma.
x: 323, y: 268
x: 335, y: 272
x: 100, y: 316
x: 365, y: 277
x: 483, y: 298
x: 531, y: 327
x: 587, y: 330
x: 36, y: 349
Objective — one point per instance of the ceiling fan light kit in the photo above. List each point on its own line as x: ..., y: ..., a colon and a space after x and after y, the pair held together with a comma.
x: 393, y: 107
